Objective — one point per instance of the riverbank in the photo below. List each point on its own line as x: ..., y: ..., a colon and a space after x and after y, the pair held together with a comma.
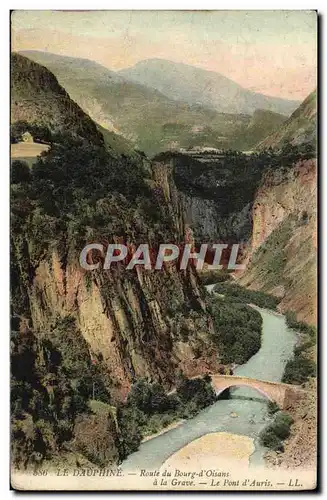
x: 301, y: 447
x: 220, y: 448
x: 173, y: 425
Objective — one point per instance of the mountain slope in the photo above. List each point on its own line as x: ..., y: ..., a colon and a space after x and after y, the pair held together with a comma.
x: 261, y: 124
x: 37, y: 97
x: 300, y: 128
x: 197, y: 86
x: 147, y: 118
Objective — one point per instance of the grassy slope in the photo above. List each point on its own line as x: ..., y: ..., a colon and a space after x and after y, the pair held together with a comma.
x: 261, y: 124
x: 284, y: 260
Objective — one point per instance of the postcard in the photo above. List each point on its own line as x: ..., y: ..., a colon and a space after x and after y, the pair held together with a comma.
x: 163, y: 250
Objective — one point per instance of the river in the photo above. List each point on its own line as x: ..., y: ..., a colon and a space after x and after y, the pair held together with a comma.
x: 250, y: 407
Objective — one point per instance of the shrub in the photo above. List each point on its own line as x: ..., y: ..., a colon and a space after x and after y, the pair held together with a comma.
x: 157, y: 422
x: 130, y: 422
x: 198, y: 392
x: 40, y: 133
x: 300, y: 326
x: 96, y: 438
x: 270, y: 440
x: 272, y: 407
x: 76, y: 360
x: 43, y: 398
x: 149, y: 409
x: 242, y: 294
x: 238, y: 328
x: 215, y: 276
x: 282, y: 424
x: 273, y: 435
x: 149, y: 398
x: 17, y: 130
x: 52, y: 378
x: 298, y: 369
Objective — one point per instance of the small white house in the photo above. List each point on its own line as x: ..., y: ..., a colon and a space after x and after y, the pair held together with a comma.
x: 27, y: 137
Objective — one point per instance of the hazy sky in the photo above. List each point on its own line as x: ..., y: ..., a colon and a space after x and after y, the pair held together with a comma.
x: 273, y: 52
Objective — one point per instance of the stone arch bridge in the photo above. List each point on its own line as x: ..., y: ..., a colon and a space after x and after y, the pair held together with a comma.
x: 282, y: 394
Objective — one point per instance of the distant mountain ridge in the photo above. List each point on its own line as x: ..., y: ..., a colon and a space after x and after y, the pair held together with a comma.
x: 208, y: 88
x: 148, y: 119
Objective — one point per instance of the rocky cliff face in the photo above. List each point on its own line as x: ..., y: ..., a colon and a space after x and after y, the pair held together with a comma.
x: 132, y: 321
x: 138, y: 323
x: 283, y: 255
x: 273, y: 216
x: 283, y: 260
x: 282, y: 193
x: 266, y: 203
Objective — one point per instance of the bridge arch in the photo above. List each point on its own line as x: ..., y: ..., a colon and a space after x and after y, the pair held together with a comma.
x: 220, y: 390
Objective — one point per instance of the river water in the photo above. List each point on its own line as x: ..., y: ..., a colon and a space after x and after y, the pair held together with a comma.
x: 277, y: 346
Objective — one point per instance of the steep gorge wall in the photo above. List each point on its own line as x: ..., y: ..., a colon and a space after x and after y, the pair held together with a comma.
x: 211, y: 219
x: 283, y: 255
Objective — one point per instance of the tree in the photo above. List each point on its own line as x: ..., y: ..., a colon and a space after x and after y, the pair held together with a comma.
x: 269, y: 439
x: 130, y: 421
x: 149, y: 398
x: 197, y: 391
x: 20, y: 172
x: 282, y: 425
